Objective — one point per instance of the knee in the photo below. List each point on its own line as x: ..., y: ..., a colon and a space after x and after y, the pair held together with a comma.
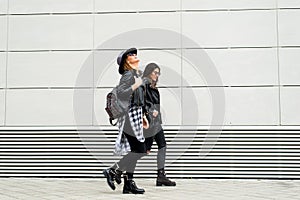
x: 142, y: 154
x: 163, y: 145
x: 139, y: 152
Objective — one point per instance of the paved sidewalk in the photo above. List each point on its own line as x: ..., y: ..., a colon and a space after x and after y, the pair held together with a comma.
x: 190, y: 189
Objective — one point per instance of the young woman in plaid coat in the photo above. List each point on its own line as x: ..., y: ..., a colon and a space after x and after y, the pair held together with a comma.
x: 131, y: 91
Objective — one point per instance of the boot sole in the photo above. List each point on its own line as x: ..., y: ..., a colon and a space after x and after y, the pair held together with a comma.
x: 161, y: 184
x: 118, y: 180
x: 129, y: 192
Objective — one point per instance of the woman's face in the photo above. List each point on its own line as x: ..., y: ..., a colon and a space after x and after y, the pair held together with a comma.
x: 133, y: 60
x: 154, y: 75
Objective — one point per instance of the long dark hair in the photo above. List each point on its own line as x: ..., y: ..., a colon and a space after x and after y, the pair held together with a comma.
x: 148, y: 70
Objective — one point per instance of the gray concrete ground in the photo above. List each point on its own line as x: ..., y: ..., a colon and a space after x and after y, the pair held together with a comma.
x: 186, y: 189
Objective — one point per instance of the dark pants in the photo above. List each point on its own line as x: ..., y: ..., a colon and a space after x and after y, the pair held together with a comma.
x: 160, y: 140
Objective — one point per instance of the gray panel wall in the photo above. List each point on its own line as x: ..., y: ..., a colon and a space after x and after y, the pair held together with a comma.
x: 254, y: 45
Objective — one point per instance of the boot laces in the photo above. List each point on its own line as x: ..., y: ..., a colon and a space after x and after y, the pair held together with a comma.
x: 113, y: 173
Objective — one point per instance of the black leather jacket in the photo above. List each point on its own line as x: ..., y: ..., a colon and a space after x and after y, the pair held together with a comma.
x: 124, y: 91
x: 152, y: 102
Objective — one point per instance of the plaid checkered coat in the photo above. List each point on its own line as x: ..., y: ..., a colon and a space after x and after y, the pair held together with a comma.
x: 135, y: 115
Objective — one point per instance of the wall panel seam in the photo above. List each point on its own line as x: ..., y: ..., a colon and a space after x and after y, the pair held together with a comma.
x: 278, y: 65
x: 6, y: 67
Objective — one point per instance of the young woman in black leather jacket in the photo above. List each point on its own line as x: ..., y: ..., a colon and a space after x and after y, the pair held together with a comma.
x: 131, y: 91
x: 155, y: 131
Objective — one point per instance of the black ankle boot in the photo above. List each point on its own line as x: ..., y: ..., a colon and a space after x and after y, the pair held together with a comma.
x: 130, y: 186
x: 110, y: 175
x: 118, y: 177
x: 162, y: 179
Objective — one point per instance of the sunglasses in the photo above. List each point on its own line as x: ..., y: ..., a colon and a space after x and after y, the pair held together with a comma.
x: 156, y: 73
x: 131, y: 54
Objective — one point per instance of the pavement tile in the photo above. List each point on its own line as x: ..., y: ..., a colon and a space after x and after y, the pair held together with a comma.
x: 190, y: 189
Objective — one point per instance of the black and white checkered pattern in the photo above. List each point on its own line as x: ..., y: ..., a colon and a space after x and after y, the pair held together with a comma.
x: 136, y: 120
x: 135, y: 114
x: 122, y: 146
